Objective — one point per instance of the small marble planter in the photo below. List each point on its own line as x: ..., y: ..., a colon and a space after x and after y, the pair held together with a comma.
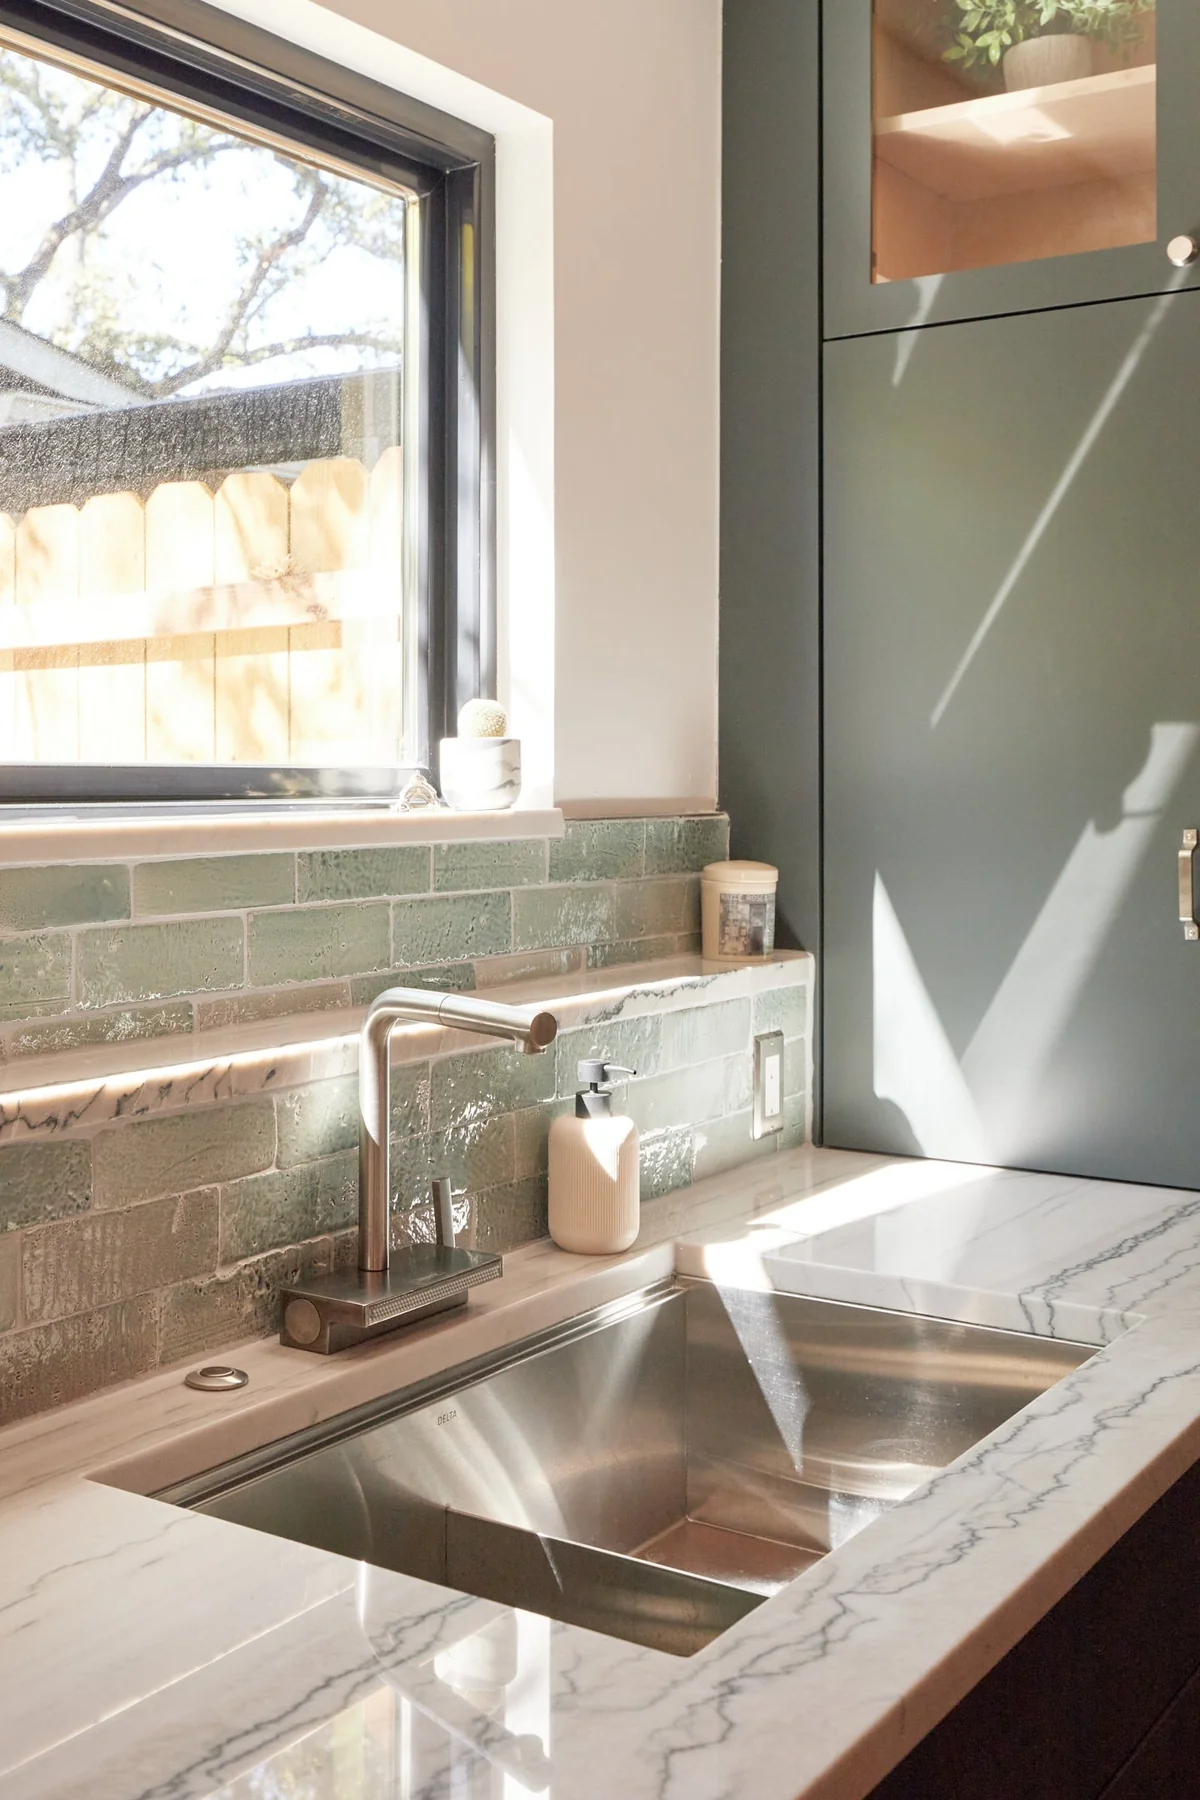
x: 481, y: 774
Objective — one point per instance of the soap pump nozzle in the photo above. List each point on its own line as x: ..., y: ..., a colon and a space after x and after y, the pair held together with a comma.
x: 594, y: 1099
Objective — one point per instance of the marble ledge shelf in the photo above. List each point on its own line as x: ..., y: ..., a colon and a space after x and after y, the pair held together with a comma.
x: 59, y: 836
x: 77, y: 1088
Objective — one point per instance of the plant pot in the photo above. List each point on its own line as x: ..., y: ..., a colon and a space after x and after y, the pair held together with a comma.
x: 481, y: 774
x: 1045, y: 61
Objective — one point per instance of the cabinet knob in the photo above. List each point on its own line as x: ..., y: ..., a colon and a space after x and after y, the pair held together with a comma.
x: 1183, y: 251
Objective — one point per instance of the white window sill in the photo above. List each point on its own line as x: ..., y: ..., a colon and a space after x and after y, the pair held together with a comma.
x: 69, y: 837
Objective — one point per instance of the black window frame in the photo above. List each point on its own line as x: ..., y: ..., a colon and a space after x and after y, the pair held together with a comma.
x: 204, y: 57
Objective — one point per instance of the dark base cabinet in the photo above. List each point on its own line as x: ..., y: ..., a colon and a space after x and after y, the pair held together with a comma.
x: 1101, y: 1701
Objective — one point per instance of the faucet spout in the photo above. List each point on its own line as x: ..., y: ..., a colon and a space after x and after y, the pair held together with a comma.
x: 533, y: 1030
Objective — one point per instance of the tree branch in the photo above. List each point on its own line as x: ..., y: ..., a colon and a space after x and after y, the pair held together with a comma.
x: 268, y: 257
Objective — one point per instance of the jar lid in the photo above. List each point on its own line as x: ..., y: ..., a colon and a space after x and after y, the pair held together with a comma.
x: 753, y: 876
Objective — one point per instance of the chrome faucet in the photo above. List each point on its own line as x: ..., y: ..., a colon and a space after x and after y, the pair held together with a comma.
x: 332, y: 1312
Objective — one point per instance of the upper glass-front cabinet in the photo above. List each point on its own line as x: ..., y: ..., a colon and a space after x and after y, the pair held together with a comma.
x: 988, y: 156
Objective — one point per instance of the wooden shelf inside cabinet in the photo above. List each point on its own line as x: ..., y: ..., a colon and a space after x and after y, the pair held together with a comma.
x: 1100, y: 128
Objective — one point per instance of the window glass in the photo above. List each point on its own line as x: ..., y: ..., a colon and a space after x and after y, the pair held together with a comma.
x: 203, y: 482
x: 1009, y: 131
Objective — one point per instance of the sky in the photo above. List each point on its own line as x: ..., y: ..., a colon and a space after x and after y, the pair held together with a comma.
x: 167, y: 258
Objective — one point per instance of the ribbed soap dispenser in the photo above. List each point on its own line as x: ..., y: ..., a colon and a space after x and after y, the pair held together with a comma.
x: 594, y: 1175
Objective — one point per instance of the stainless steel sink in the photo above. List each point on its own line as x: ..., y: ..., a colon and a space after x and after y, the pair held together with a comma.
x: 654, y: 1470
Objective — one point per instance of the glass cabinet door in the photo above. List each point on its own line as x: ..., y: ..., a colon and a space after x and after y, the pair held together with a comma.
x: 1004, y: 155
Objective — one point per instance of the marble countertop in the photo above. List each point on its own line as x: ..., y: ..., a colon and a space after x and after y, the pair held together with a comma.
x: 152, y: 1654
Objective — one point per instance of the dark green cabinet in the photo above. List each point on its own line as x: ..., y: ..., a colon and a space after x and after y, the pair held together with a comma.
x: 1012, y: 740
x: 949, y: 196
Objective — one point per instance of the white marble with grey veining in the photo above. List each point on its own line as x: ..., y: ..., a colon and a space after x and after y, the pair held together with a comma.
x: 44, y: 1096
x: 147, y: 1654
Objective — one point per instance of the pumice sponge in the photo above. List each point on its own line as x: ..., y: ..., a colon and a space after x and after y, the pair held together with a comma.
x: 482, y: 719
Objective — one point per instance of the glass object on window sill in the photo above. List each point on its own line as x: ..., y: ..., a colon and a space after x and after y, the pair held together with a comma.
x: 997, y: 140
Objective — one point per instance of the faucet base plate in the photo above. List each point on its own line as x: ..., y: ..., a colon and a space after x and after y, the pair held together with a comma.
x: 334, y: 1312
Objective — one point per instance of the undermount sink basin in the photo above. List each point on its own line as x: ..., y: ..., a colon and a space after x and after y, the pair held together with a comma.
x: 654, y: 1470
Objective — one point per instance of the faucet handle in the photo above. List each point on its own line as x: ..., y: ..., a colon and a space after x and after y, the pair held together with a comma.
x: 443, y: 1213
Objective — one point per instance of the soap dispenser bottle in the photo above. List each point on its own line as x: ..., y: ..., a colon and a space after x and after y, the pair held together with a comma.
x: 594, y: 1176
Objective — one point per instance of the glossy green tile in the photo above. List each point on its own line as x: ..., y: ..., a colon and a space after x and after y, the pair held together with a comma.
x: 546, y: 917
x: 42, y: 1180
x: 288, y: 1206
x: 451, y: 978
x: 156, y: 962
x: 739, y: 1082
x: 666, y: 1162
x: 363, y: 874
x: 209, y: 1313
x: 10, y: 1279
x: 679, y: 846
x: 506, y: 1217
x: 699, y: 1033
x: 473, y: 1155
x: 505, y: 865
x: 451, y: 928
x: 481, y: 1083
x: 322, y: 1119
x: 632, y: 950
x: 782, y: 1009
x: 103, y: 1257
x: 317, y: 943
x: 51, y: 1364
x: 795, y: 1123
x: 81, y: 894
x: 35, y: 975
x: 179, y: 1152
x: 632, y: 1043
x: 529, y: 965
x: 726, y: 1143
x: 131, y: 1024
x: 208, y: 884
x: 279, y: 1003
x: 656, y: 908
x: 599, y: 850
x: 684, y: 1097
x: 532, y: 1136
x: 795, y: 1068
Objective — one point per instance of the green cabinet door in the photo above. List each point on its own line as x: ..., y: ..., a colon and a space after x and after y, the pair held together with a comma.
x: 1012, y: 740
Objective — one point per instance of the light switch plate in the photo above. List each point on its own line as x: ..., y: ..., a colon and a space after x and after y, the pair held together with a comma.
x: 768, y: 1083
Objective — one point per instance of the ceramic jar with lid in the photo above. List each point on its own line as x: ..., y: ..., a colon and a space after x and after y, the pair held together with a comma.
x: 737, y: 910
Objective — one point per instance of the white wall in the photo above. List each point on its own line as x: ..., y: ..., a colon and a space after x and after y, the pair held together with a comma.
x: 632, y: 89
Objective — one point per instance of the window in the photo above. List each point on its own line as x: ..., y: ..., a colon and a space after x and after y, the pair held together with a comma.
x: 245, y: 522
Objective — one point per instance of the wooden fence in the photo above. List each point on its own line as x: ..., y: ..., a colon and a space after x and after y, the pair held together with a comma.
x: 259, y: 623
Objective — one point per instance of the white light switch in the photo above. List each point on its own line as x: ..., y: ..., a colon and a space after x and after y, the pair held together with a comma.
x: 768, y: 1083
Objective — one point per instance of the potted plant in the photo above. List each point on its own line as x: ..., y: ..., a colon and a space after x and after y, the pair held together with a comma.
x: 1040, y: 42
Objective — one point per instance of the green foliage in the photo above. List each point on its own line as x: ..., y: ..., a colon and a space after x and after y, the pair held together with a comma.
x: 984, y: 29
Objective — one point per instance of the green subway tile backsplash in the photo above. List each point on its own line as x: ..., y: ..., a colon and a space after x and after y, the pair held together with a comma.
x: 35, y: 975
x: 362, y: 874
x: 674, y: 846
x: 546, y: 917
x: 480, y: 1083
x: 127, y: 1025
x: 452, y: 928
x: 174, y: 1154
x: 131, y: 1241
x: 157, y: 962
x: 464, y: 866
x: 208, y: 884
x: 314, y: 943
x: 600, y: 850
x: 41, y: 1179
x: 88, y: 893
